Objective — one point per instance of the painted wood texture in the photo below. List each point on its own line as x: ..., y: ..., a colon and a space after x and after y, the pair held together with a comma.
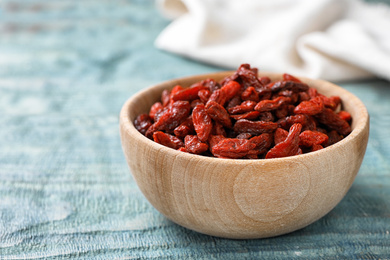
x: 66, y: 68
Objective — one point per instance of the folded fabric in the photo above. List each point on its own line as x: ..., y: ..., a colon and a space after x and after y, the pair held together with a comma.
x: 329, y: 39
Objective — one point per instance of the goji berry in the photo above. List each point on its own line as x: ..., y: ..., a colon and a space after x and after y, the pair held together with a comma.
x: 280, y: 135
x: 217, y: 96
x: 248, y: 115
x: 244, y: 107
x: 204, y: 95
x: 165, y: 97
x: 171, y: 118
x: 156, y: 107
x: 345, y: 115
x: 219, y: 114
x: 309, y: 138
x: 254, y: 127
x: 232, y: 148
x: 269, y: 105
x: 202, y: 122
x: 142, y: 123
x: 288, y: 147
x: 263, y: 142
x: 194, y: 145
x: 167, y: 140
x: 250, y: 94
x: 218, y: 129
x: 311, y: 107
x: 188, y: 94
x: 231, y: 89
x: 329, y: 118
x: 185, y: 128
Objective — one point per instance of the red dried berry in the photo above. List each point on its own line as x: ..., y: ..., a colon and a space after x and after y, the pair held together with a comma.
x: 231, y: 89
x: 255, y: 128
x: 219, y: 114
x: 244, y: 107
x: 288, y: 147
x: 311, y: 107
x: 194, y: 145
x: 310, y: 138
x: 142, y: 123
x: 269, y: 105
x: 167, y: 140
x: 329, y: 118
x: 202, y: 122
x: 156, y: 107
x: 232, y: 148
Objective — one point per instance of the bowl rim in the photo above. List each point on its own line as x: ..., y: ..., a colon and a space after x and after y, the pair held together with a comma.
x: 127, y: 125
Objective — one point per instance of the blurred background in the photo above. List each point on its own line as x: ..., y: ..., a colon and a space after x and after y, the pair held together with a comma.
x: 66, y: 68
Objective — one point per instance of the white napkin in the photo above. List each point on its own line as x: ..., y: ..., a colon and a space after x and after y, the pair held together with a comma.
x: 329, y: 39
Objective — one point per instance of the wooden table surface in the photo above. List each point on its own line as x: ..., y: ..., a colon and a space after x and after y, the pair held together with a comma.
x: 66, y: 68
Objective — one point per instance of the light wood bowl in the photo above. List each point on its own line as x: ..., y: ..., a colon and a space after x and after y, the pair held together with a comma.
x: 244, y: 198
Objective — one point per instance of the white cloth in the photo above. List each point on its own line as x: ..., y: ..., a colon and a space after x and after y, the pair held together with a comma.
x: 329, y: 39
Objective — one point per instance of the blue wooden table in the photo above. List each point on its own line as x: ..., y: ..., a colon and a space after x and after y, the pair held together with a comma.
x: 66, y: 68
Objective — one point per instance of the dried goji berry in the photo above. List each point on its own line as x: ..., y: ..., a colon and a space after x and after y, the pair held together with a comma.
x: 330, y: 102
x: 311, y: 107
x: 288, y: 147
x: 202, y: 122
x: 329, y: 118
x: 235, y: 101
x: 215, y: 139
x: 254, y: 127
x: 250, y: 94
x: 316, y: 147
x: 185, y: 128
x: 204, y: 95
x: 248, y: 115
x: 334, y: 137
x: 244, y: 107
x: 174, y: 90
x: 231, y: 89
x: 263, y: 142
x: 194, y: 145
x: 232, y: 148
x: 309, y: 138
x: 269, y: 105
x: 217, y: 96
x: 265, y: 80
x: 218, y: 129
x: 248, y: 77
x: 196, y: 102
x: 188, y: 93
x: 167, y: 140
x: 171, y: 118
x: 219, y: 114
x: 165, y: 97
x: 280, y: 135
x: 156, y: 107
x: 345, y: 115
x: 142, y: 123
x: 265, y: 116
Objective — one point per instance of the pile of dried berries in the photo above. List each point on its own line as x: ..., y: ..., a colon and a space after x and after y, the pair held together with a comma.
x: 245, y: 116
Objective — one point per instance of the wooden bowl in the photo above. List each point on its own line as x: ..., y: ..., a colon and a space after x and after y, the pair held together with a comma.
x: 243, y: 199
